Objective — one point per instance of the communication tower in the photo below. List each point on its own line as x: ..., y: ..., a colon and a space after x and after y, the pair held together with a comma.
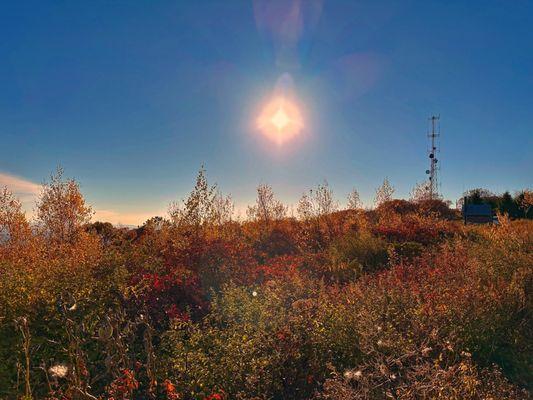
x: 433, y: 134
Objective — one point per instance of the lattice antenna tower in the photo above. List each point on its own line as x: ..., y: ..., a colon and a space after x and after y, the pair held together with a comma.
x: 433, y: 180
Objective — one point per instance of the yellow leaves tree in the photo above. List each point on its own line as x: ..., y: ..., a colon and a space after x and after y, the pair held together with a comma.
x: 204, y: 208
x: 14, y: 228
x: 61, y: 209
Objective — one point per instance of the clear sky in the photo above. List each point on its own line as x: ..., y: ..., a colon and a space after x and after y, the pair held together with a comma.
x: 132, y: 97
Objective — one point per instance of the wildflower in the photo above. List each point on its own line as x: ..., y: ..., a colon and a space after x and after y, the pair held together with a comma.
x: 466, y: 354
x: 393, y: 377
x: 73, y: 307
x: 380, y: 343
x: 254, y: 293
x: 358, y: 375
x: 58, y: 371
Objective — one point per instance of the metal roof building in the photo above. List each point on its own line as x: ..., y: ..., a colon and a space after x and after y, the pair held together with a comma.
x: 477, y: 213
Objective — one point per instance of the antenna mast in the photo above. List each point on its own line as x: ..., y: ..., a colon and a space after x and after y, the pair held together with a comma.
x: 433, y: 187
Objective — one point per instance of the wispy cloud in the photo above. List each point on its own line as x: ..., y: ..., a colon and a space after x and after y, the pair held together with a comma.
x: 24, y: 189
x: 27, y: 192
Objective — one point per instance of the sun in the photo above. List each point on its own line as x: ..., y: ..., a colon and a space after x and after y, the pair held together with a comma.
x: 280, y: 120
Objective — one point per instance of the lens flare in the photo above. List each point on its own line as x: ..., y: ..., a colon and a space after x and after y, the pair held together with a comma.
x: 280, y: 120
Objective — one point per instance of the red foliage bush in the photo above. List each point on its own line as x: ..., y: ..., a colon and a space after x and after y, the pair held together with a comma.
x: 174, y: 294
x: 413, y: 228
x: 397, y: 207
x: 123, y: 387
x: 215, y: 396
x: 437, y: 208
x: 279, y: 267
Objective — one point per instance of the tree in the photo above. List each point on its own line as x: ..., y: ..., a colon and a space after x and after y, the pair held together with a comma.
x: 384, y: 192
x: 524, y: 200
x: 507, y: 205
x: 317, y: 203
x: 324, y: 199
x: 61, y: 209
x: 315, y: 209
x: 196, y: 210
x: 222, y: 210
x: 14, y: 228
x: 354, y: 202
x: 420, y: 192
x: 267, y: 208
x: 305, y: 208
x: 478, y: 195
x: 204, y: 208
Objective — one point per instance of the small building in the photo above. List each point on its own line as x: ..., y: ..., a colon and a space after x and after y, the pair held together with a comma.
x: 477, y: 213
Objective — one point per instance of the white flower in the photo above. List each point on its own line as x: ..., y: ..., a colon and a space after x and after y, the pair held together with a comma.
x: 254, y: 293
x: 73, y: 307
x: 393, y: 377
x: 380, y: 343
x: 58, y: 371
x: 358, y: 374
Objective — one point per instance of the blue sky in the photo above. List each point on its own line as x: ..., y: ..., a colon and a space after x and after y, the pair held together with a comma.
x: 132, y: 97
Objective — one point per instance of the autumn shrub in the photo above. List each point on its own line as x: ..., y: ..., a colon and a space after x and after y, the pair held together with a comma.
x: 273, y: 239
x: 174, y: 294
x: 422, y: 380
x: 397, y: 206
x: 272, y: 341
x: 426, y: 230
x: 399, y: 302
x: 437, y: 208
x: 357, y: 253
x: 458, y: 298
x: 406, y: 251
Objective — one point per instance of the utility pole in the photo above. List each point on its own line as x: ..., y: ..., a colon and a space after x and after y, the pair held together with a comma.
x: 433, y: 167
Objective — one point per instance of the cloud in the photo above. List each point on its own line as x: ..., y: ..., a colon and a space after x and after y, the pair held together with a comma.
x: 27, y: 192
x: 24, y: 189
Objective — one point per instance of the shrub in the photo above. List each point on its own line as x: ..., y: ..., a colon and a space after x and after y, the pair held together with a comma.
x: 357, y: 253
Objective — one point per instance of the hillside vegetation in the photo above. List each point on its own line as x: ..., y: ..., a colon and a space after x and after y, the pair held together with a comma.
x: 399, y: 302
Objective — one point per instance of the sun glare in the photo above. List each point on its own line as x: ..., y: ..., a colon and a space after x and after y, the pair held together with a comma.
x: 280, y: 120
